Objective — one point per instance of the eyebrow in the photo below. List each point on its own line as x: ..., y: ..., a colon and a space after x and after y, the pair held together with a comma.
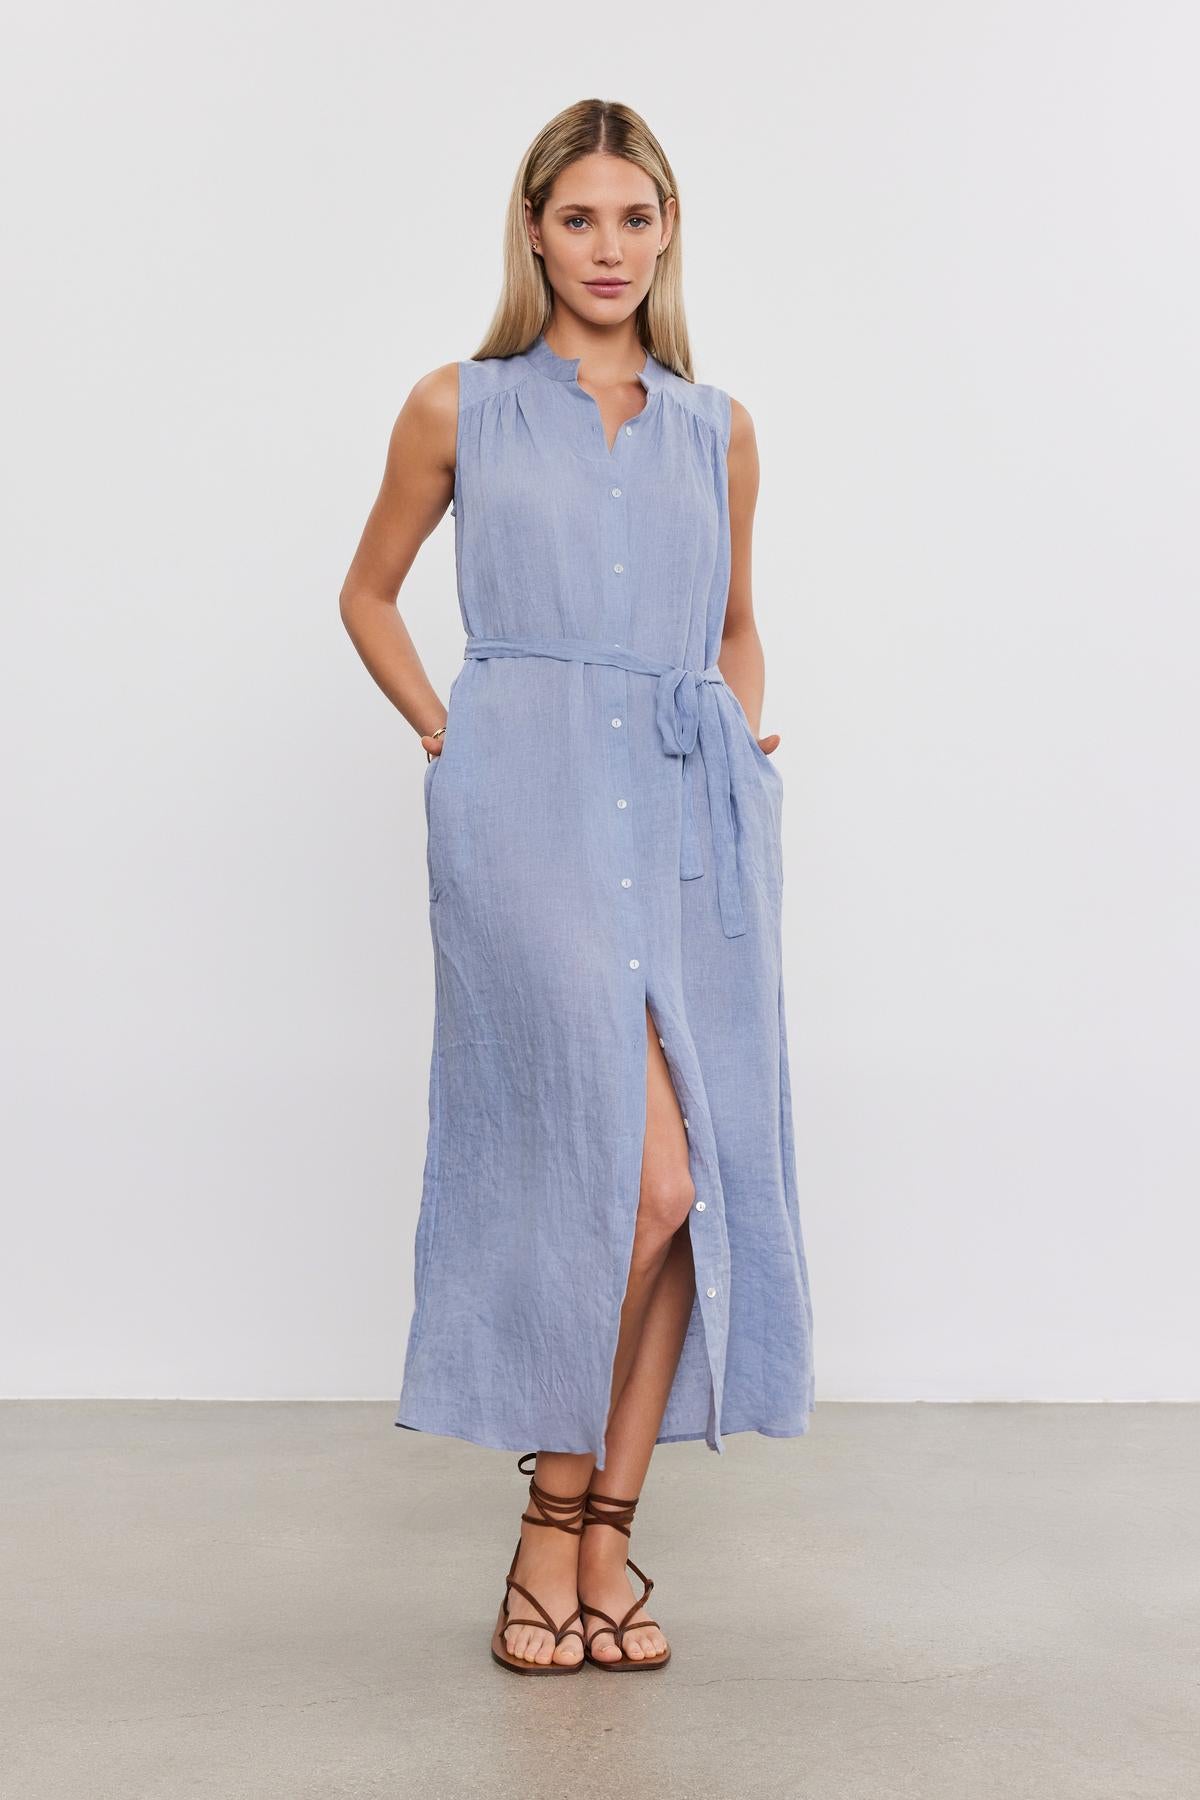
x: 633, y: 206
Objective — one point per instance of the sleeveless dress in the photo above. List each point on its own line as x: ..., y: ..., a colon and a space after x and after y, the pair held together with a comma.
x: 603, y: 835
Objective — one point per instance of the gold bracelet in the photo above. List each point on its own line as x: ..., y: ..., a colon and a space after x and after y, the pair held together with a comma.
x: 440, y: 732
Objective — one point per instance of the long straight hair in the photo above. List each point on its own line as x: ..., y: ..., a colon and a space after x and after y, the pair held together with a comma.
x: 527, y: 299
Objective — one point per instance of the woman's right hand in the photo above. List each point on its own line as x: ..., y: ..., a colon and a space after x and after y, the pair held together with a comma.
x: 433, y: 745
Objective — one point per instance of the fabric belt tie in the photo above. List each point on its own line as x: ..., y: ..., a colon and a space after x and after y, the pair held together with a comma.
x: 688, y: 714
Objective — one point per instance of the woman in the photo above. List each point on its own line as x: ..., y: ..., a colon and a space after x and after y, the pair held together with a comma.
x: 608, y: 1254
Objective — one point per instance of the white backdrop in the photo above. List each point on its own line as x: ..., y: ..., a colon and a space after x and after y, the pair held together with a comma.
x: 947, y: 258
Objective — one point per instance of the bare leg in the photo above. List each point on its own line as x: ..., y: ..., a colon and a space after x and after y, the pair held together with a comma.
x: 636, y: 1418
x: 654, y: 1320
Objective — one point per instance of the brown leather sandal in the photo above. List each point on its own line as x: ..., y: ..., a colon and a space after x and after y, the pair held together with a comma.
x: 566, y: 1505
x: 621, y: 1519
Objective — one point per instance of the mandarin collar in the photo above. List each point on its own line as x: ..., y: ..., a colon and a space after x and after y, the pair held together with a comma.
x: 566, y: 368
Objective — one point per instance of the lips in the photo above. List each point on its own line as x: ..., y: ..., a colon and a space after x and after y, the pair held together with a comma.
x: 606, y: 287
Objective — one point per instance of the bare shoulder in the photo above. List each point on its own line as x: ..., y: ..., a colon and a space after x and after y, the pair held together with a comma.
x: 741, y: 426
x: 433, y: 398
x: 426, y: 428
x: 741, y: 460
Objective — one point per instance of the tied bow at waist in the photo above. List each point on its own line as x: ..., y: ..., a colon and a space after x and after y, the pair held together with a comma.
x: 689, y: 719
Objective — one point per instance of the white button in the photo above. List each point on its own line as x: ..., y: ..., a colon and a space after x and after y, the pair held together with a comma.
x: 633, y: 962
x: 616, y: 721
x: 615, y: 492
x: 618, y: 568
x: 625, y: 882
x: 629, y: 431
x: 663, y: 1042
x: 686, y: 1126
x: 622, y: 803
x: 699, y: 1206
x: 711, y: 1292
x: 617, y: 645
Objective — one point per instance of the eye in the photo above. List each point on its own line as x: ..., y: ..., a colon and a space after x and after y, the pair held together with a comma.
x: 579, y: 219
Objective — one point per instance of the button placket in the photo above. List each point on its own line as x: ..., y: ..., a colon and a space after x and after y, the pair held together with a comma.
x: 616, y: 684
x: 698, y: 1205
x: 615, y: 700
x: 626, y: 880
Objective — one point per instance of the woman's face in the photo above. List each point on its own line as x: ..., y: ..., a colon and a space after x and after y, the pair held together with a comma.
x: 599, y: 237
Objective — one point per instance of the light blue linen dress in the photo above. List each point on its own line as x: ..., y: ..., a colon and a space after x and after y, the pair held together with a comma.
x: 603, y: 834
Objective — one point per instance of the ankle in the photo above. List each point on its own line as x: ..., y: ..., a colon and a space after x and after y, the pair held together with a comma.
x: 551, y: 1547
x: 604, y: 1548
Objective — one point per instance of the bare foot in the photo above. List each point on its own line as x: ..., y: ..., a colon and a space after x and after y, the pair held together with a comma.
x: 605, y: 1584
x: 547, y: 1565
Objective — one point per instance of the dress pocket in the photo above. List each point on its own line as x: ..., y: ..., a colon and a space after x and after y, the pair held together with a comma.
x: 765, y: 760
x: 768, y: 760
x: 431, y: 826
x: 443, y: 809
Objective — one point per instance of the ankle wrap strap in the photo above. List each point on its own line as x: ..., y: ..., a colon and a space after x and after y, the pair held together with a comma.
x: 620, y: 1515
x: 567, y: 1507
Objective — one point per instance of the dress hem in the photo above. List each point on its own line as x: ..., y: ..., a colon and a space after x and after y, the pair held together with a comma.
x: 485, y: 1441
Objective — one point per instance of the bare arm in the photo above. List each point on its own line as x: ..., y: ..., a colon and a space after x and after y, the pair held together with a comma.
x: 417, y: 485
x: 741, y: 655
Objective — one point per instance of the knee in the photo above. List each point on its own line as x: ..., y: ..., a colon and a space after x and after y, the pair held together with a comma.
x: 663, y: 1207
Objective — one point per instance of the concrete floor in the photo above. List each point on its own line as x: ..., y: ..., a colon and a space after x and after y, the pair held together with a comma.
x: 296, y: 1601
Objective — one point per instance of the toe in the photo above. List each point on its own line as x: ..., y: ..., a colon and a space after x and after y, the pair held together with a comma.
x: 569, y: 1651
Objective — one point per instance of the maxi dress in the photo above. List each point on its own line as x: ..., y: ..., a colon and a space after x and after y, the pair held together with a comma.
x: 603, y: 836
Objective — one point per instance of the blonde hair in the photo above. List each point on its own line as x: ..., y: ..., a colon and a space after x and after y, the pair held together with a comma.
x: 526, y: 298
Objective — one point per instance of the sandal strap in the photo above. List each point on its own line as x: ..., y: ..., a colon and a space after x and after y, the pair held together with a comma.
x: 619, y: 1630
x: 567, y: 1507
x: 545, y: 1623
x: 619, y: 1514
x: 566, y: 1632
x: 620, y: 1517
